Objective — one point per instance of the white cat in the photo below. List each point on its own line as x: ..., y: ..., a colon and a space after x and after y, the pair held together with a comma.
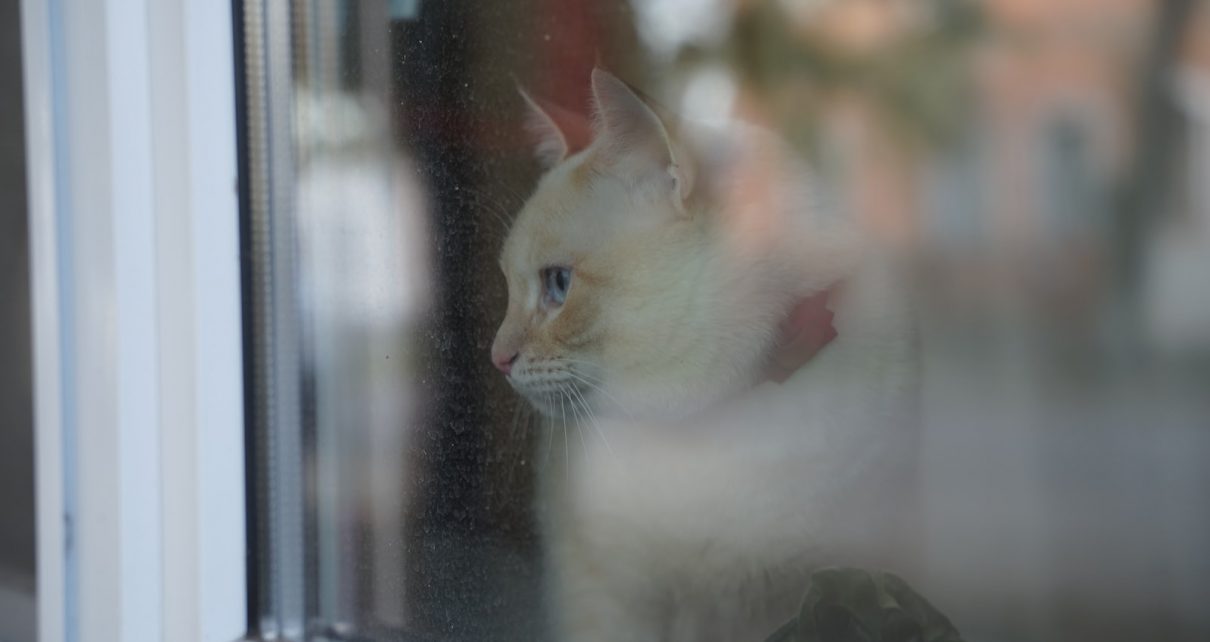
x: 653, y: 277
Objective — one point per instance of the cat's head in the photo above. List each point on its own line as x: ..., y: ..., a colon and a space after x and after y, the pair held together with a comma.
x: 613, y: 282
x: 604, y: 266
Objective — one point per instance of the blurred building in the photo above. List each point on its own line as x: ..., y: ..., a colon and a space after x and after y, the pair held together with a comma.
x: 1043, y: 120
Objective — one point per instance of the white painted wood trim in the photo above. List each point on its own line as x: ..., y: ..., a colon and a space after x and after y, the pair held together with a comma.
x: 211, y: 212
x: 136, y: 291
x: 44, y: 298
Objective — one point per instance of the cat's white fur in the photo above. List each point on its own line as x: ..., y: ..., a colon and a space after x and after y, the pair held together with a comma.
x: 695, y: 502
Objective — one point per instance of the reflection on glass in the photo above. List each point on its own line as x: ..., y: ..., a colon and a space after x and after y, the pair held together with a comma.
x: 705, y: 396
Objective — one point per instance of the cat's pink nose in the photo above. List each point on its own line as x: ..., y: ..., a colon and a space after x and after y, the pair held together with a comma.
x: 504, y: 360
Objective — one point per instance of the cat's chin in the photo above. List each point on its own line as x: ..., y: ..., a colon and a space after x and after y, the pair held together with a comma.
x: 564, y: 403
x: 549, y: 407
x: 580, y: 404
x: 672, y: 403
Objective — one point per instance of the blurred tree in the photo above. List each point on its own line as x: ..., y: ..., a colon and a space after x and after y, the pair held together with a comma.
x: 1144, y: 187
x: 908, y: 73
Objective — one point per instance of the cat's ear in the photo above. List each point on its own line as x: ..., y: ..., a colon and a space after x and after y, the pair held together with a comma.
x: 558, y: 132
x: 633, y: 137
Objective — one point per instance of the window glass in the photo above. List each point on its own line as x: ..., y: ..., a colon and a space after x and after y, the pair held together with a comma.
x: 619, y: 320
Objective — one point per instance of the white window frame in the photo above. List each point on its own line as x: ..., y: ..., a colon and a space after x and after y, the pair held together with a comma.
x: 134, y: 241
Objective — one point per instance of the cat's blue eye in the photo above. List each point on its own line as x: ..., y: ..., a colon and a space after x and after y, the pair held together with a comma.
x: 555, y: 283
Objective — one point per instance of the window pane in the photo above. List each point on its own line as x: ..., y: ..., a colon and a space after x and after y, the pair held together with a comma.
x: 618, y: 320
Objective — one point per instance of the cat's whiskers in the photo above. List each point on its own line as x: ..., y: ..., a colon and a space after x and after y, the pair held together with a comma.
x: 512, y: 432
x: 499, y: 213
x: 571, y: 398
x: 523, y: 415
x: 566, y: 457
x: 592, y: 418
x: 567, y: 368
x: 518, y: 200
x: 583, y: 378
x: 512, y: 441
x: 550, y: 433
x: 571, y: 360
x: 479, y: 200
x: 568, y: 364
x: 583, y: 373
x: 558, y: 376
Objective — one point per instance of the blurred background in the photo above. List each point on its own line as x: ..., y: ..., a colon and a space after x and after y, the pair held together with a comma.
x: 1043, y: 166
